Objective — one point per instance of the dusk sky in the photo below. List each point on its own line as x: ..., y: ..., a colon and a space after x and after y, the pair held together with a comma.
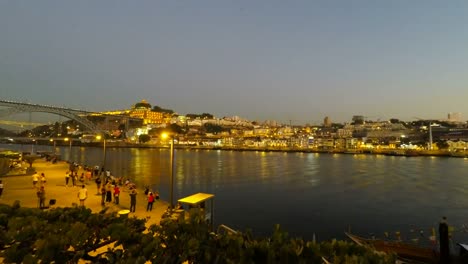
x: 290, y: 61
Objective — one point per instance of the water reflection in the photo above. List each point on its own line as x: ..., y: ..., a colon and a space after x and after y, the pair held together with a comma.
x: 304, y: 192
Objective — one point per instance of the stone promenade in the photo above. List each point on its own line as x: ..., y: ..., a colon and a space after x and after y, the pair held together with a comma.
x: 21, y: 188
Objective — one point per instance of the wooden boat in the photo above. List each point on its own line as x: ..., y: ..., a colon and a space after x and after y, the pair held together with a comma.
x: 407, y: 253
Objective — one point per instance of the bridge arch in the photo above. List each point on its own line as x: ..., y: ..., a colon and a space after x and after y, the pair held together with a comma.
x: 74, y: 114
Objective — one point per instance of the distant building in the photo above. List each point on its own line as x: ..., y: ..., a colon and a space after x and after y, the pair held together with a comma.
x: 454, y: 117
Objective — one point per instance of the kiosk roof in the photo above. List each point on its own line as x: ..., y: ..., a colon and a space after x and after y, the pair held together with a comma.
x: 196, y: 198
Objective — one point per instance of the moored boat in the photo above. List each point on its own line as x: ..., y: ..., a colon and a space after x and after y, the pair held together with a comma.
x: 408, y: 253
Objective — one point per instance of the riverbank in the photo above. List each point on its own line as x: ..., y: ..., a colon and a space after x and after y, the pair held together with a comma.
x: 376, y: 151
x: 20, y: 188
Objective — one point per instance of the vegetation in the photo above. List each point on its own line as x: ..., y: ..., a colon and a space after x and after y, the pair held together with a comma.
x: 201, y: 116
x: 30, y: 160
x: 4, y: 166
x: 144, y: 138
x: 213, y: 128
x: 162, y: 110
x: 65, y: 235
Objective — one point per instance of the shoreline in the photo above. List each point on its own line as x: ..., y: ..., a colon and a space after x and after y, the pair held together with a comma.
x: 386, y: 152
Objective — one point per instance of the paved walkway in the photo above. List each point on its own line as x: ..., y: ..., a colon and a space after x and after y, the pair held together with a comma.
x: 21, y: 188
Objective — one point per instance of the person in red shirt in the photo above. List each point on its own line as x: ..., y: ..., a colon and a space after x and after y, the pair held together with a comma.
x: 149, y: 207
x: 116, y: 194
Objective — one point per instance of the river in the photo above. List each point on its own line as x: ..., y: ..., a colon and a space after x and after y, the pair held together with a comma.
x: 306, y: 193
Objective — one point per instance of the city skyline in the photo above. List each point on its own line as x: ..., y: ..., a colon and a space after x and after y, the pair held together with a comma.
x: 268, y: 60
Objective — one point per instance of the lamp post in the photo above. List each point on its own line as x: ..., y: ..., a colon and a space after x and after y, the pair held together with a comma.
x: 69, y: 147
x: 52, y: 141
x: 99, y: 137
x: 32, y: 146
x: 164, y: 136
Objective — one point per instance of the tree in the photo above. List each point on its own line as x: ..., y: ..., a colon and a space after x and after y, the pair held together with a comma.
x: 30, y: 160
x: 213, y: 128
x: 176, y: 129
x: 162, y: 110
x: 144, y: 138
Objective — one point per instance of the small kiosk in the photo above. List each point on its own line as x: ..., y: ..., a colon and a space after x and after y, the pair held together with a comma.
x: 200, y: 203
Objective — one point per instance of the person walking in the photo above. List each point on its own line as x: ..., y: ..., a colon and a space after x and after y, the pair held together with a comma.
x: 35, y: 179
x: 67, y: 178
x: 41, y: 197
x: 116, y: 194
x: 149, y: 207
x: 82, y: 195
x: 1, y: 188
x: 133, y: 195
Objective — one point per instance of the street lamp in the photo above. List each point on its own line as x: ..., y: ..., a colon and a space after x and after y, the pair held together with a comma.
x: 32, y: 146
x: 69, y: 147
x: 52, y: 140
x: 99, y: 137
x: 165, y: 136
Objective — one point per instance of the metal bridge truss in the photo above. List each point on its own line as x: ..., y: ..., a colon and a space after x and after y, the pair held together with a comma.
x: 74, y: 114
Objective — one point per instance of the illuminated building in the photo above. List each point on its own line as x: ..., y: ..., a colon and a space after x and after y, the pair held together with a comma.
x: 143, y: 110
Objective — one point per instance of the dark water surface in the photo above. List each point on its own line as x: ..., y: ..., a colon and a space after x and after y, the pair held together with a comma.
x: 306, y: 193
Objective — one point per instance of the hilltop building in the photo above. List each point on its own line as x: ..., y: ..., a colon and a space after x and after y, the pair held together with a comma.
x: 143, y: 110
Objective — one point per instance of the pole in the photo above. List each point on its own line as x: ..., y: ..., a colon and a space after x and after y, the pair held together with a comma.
x: 430, y: 136
x: 172, y: 172
x: 70, y: 150
x: 104, y: 154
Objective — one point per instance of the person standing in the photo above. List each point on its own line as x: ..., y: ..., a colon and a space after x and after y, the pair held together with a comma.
x: 41, y: 197
x: 108, y: 192
x: 444, y: 241
x: 43, y: 179
x: 149, y: 207
x: 98, y: 184
x: 1, y: 188
x: 133, y: 195
x: 74, y: 178
x: 82, y: 195
x: 103, y: 195
x: 116, y: 194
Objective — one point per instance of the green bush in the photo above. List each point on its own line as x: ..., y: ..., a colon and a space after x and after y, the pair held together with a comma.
x: 66, y: 235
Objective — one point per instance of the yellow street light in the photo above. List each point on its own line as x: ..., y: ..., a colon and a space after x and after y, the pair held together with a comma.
x: 165, y: 136
x: 99, y: 137
x: 69, y: 146
x: 52, y: 140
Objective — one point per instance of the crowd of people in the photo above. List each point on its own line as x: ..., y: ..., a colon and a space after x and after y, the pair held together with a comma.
x: 108, y: 186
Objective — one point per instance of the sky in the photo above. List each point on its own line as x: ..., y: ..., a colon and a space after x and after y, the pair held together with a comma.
x: 290, y: 61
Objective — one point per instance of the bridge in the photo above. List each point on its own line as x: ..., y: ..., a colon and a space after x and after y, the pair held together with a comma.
x: 80, y: 116
x: 74, y: 114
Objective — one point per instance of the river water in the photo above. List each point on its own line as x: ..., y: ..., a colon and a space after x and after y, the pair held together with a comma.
x: 306, y: 193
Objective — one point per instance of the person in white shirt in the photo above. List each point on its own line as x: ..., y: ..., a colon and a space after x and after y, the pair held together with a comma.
x: 82, y: 195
